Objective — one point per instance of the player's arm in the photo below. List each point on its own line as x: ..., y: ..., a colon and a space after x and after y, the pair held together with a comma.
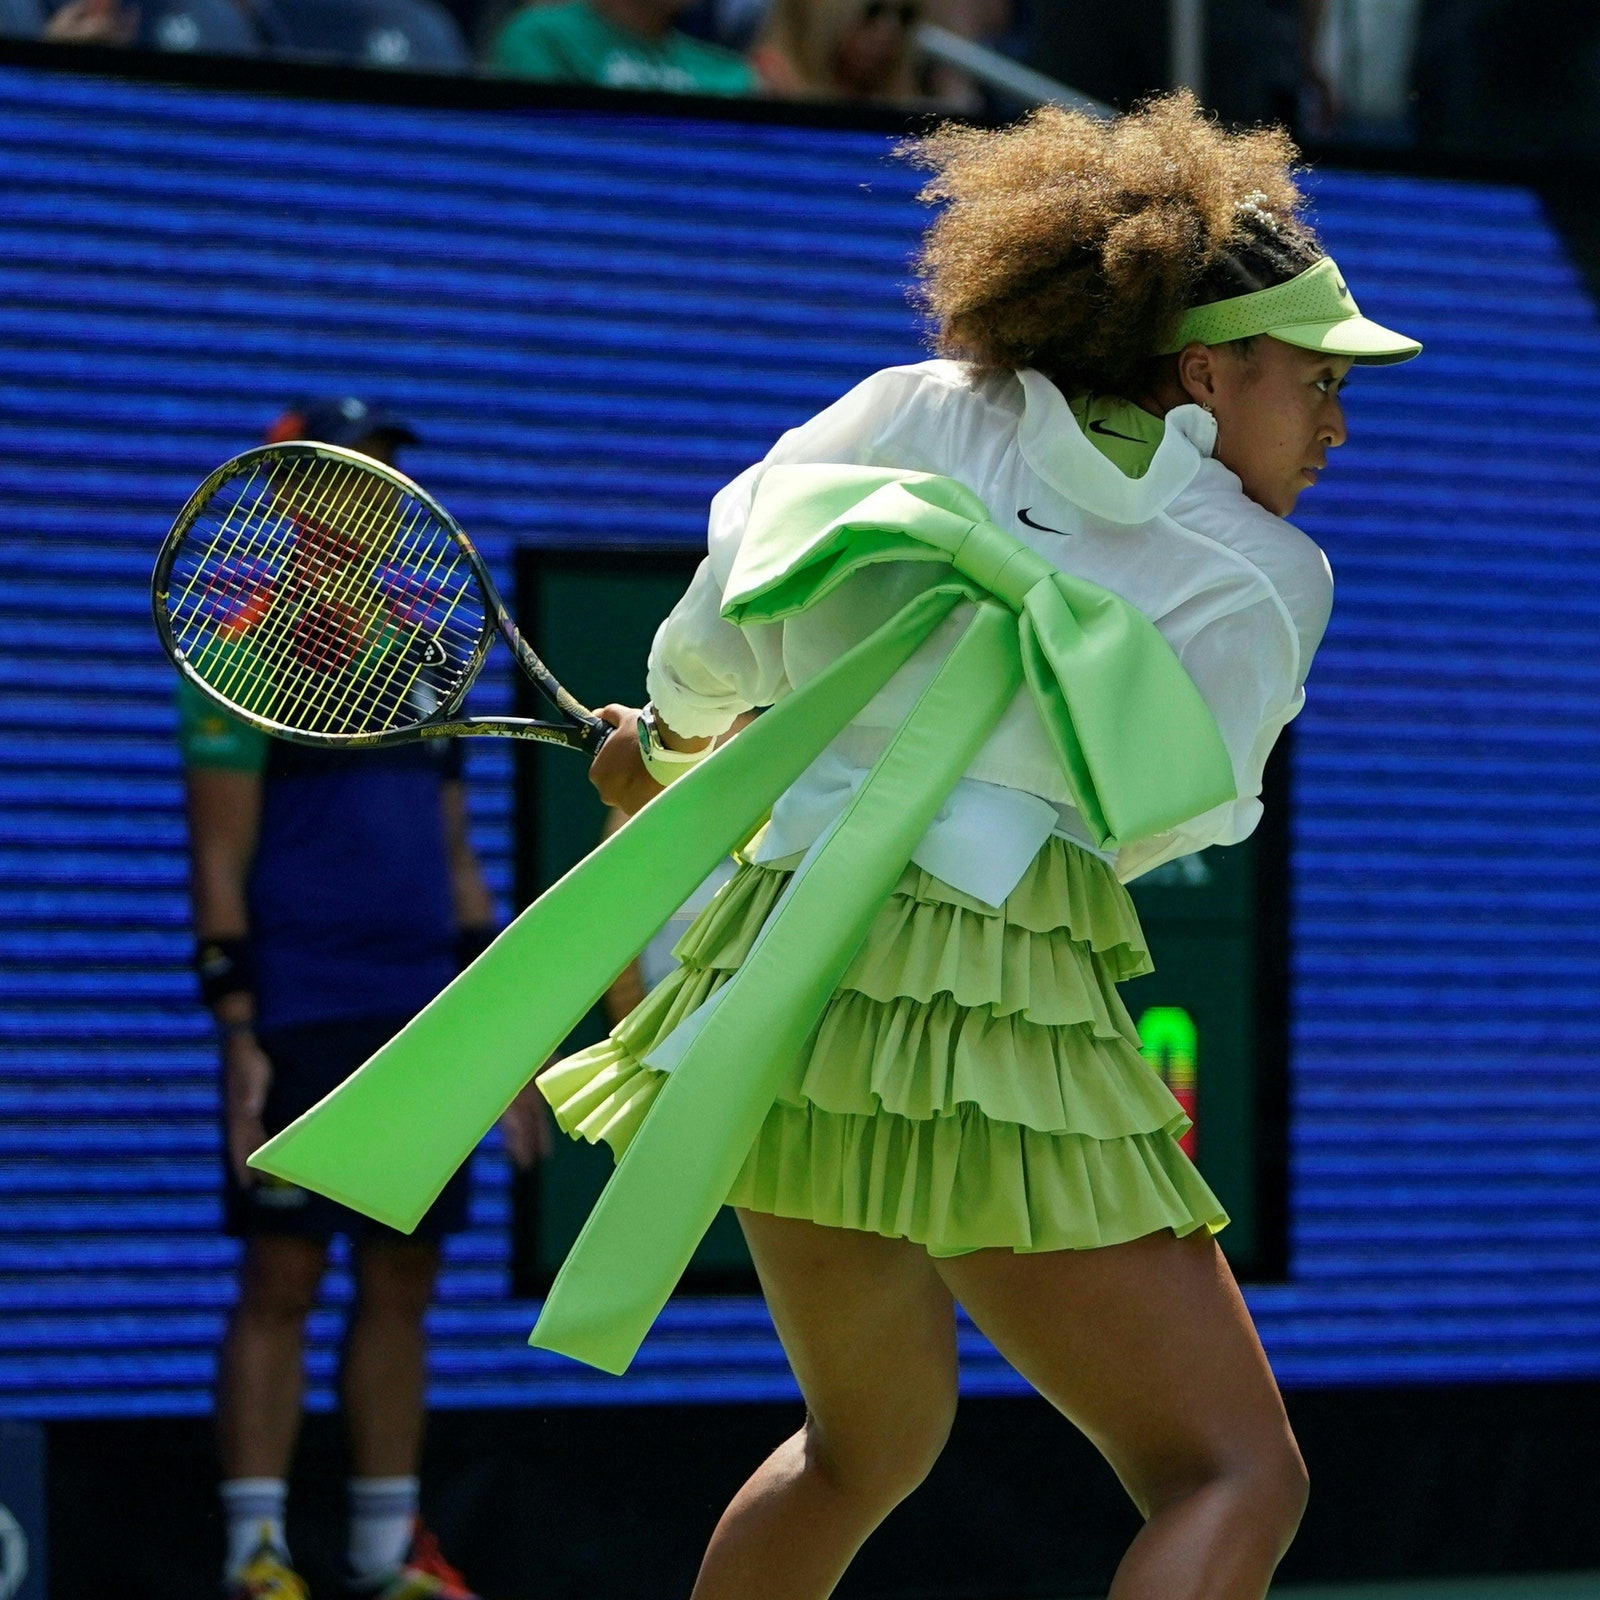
x: 224, y: 820
x: 223, y: 766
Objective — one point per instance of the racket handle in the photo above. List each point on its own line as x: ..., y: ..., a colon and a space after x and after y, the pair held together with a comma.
x: 593, y: 733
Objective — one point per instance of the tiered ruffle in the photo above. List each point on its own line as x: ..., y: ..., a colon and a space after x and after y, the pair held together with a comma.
x: 974, y: 1081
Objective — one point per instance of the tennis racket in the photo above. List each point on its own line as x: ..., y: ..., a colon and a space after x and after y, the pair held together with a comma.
x: 324, y: 597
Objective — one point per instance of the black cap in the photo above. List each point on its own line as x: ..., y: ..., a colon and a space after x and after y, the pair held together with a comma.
x: 344, y: 420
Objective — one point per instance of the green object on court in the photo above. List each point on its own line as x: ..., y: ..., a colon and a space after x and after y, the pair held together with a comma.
x: 1138, y: 745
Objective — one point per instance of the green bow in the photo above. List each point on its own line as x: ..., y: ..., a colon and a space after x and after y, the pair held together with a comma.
x: 1141, y: 753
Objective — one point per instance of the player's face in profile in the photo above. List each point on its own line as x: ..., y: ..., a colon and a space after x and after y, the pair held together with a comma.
x: 1278, y: 415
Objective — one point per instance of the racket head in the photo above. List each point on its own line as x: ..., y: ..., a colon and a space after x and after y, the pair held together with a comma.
x: 323, y: 597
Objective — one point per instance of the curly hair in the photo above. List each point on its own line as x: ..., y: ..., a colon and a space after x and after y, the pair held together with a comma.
x: 1074, y: 245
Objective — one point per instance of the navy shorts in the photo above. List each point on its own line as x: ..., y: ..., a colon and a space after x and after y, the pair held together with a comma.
x: 307, y: 1063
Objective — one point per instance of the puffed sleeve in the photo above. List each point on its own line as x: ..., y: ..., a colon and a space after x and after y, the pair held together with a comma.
x: 704, y: 671
x: 1250, y: 666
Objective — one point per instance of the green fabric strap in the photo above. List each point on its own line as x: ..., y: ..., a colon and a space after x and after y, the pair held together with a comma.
x: 677, y: 1172
x: 1141, y: 753
x: 389, y: 1138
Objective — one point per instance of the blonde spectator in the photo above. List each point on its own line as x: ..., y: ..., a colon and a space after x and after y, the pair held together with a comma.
x: 841, y: 50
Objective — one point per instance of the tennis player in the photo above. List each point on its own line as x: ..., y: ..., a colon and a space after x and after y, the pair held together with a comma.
x: 335, y: 894
x: 1145, y: 346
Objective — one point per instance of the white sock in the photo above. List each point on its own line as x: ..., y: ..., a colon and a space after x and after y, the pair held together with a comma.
x: 381, y: 1513
x: 252, y: 1510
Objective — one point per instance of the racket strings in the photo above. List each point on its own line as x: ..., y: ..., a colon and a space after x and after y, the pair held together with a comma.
x: 334, y: 555
x: 257, y: 678
x: 343, y: 529
x: 324, y: 597
x: 249, y: 670
x: 330, y: 619
x: 406, y: 589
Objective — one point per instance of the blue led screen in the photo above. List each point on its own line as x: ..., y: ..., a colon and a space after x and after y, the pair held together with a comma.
x: 596, y: 318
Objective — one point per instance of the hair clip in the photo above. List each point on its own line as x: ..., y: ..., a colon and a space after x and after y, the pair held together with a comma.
x: 1254, y: 206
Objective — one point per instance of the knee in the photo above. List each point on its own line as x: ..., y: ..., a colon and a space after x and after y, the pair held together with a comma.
x: 1270, y: 1496
x: 880, y: 1467
x: 1286, y: 1488
x: 1262, y: 1489
x: 280, y: 1279
x: 396, y: 1280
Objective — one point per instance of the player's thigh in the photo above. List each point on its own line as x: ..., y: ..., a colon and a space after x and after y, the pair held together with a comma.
x: 869, y: 1329
x: 1148, y: 1348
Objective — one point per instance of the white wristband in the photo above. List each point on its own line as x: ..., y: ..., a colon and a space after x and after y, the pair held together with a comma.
x: 662, y: 764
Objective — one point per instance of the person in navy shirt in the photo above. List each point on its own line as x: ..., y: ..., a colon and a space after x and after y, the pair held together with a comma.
x: 335, y: 893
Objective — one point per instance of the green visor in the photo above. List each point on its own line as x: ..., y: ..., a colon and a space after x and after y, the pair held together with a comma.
x: 1313, y: 310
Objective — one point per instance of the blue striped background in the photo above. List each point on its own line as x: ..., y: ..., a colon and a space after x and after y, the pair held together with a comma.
x: 596, y: 320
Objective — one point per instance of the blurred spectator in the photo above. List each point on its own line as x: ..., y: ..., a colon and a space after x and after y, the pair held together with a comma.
x: 415, y: 35
x: 1365, y: 51
x: 1116, y: 53
x: 468, y: 15
x: 617, y: 44
x: 841, y: 50
x: 335, y: 893
x: 21, y: 19
x: 93, y: 22
x: 734, y: 24
x: 1260, y: 64
x: 985, y: 22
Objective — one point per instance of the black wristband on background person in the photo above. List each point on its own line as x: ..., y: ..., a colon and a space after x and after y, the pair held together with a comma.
x: 224, y: 967
x: 470, y: 943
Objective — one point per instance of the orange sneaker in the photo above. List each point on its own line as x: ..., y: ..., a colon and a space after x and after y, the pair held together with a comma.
x: 424, y: 1574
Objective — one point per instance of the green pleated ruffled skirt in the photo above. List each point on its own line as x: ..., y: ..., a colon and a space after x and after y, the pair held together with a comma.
x: 975, y: 1080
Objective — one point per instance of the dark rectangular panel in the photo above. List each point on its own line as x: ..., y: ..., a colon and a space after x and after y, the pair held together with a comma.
x: 592, y: 617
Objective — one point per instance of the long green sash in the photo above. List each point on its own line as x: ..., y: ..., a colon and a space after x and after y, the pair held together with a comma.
x: 1140, y: 751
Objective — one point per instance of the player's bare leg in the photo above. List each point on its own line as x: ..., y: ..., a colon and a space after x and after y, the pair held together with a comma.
x: 1148, y: 1348
x: 869, y: 1330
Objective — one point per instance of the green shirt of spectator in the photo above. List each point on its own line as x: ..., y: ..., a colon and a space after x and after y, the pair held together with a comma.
x: 588, y: 41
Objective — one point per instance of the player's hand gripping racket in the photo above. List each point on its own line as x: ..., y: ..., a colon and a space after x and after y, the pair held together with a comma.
x: 324, y: 597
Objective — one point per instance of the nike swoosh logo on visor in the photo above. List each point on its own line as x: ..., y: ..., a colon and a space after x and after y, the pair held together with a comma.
x: 1097, y: 426
x: 1022, y: 516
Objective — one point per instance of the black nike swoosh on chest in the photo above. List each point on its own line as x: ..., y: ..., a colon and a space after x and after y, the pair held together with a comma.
x: 1097, y: 426
x: 1022, y: 516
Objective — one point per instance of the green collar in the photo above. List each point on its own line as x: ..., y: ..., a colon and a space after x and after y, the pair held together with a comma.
x: 1126, y: 434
